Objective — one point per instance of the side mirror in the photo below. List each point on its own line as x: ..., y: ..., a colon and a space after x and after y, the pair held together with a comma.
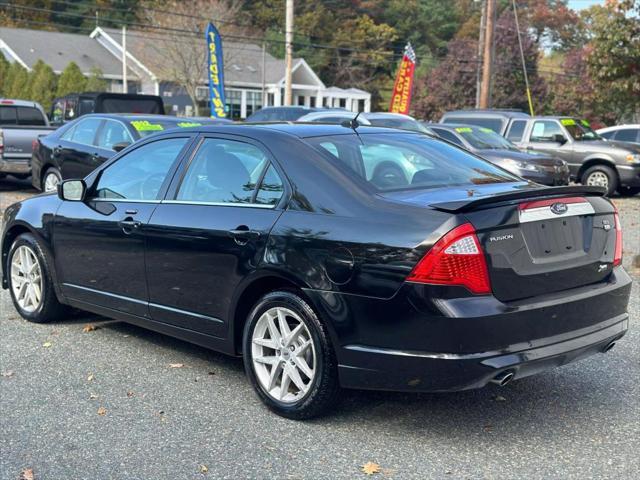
x: 120, y: 146
x: 72, y: 190
x: 559, y: 138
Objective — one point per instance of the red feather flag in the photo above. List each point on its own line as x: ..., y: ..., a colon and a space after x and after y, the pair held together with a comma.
x: 401, y: 96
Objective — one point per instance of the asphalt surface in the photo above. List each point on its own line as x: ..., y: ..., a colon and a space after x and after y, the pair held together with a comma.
x: 202, y: 420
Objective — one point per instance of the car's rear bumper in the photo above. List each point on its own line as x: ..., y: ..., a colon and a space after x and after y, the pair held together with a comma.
x: 411, y: 343
x: 17, y: 166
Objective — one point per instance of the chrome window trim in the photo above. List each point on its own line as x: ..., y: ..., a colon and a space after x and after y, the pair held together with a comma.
x: 121, y: 200
x: 219, y: 204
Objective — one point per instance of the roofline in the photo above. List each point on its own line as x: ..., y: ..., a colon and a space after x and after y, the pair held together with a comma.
x: 15, y: 56
x: 99, y: 31
x: 302, y: 61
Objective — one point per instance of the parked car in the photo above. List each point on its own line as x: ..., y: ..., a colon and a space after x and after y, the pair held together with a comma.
x: 269, y: 241
x: 592, y: 159
x: 508, y: 123
x: 74, y: 105
x: 78, y: 147
x: 21, y: 123
x: 540, y: 168
x: 336, y: 117
x: 394, y: 120
x: 621, y: 133
x: 285, y: 114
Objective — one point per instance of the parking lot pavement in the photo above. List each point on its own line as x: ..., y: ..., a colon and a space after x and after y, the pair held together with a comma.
x: 200, y: 418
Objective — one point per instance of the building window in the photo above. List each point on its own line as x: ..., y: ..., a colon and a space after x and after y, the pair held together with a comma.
x: 343, y: 102
x: 270, y: 99
x: 234, y: 103
x: 301, y: 100
x: 312, y: 102
x: 254, y: 101
x: 361, y: 104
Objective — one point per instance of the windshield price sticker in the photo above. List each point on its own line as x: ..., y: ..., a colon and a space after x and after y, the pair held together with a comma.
x: 485, y: 130
x: 568, y: 122
x: 463, y: 130
x: 146, y: 126
x: 189, y: 124
x: 585, y: 123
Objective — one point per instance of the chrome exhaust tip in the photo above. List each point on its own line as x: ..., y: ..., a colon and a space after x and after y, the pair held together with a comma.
x: 608, y: 347
x: 503, y: 378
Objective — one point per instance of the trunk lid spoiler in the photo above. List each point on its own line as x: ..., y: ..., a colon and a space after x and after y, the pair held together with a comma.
x: 466, y: 205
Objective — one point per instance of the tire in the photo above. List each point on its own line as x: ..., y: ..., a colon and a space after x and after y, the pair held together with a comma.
x: 47, y: 308
x: 322, y: 387
x: 628, y: 191
x: 54, y: 175
x: 601, y: 175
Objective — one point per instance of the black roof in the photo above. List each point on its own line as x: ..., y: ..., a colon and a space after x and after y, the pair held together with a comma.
x: 489, y: 111
x: 127, y: 96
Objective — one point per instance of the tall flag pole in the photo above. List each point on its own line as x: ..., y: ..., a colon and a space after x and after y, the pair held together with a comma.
x: 401, y: 96
x: 215, y: 72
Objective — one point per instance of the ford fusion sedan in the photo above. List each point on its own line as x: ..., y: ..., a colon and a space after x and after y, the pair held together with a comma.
x: 78, y: 147
x: 540, y: 168
x: 275, y: 242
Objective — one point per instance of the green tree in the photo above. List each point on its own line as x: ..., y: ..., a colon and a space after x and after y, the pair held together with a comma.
x: 96, y: 82
x: 17, y: 82
x: 42, y: 84
x: 71, y: 80
x: 4, y: 68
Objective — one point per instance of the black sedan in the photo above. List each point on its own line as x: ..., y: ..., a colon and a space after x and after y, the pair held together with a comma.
x: 540, y: 168
x: 285, y: 244
x: 78, y: 147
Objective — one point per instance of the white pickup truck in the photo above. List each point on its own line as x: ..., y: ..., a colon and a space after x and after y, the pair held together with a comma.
x: 21, y: 123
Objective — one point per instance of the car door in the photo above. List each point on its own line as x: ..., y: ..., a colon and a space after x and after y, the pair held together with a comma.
x: 99, y: 243
x: 76, y: 153
x: 211, y: 232
x: 543, y: 136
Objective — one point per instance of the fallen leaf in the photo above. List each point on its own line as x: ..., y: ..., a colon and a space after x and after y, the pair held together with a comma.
x: 176, y: 365
x: 26, y: 474
x: 370, y: 468
x: 204, y: 469
x: 90, y: 377
x: 499, y: 398
x: 89, y: 327
x: 130, y: 394
x: 102, y: 411
x: 47, y: 344
x: 7, y: 374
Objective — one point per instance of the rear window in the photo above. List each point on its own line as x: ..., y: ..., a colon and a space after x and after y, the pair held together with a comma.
x: 21, y: 116
x: 402, y: 123
x: 8, y: 116
x: 627, y: 135
x: 122, y: 105
x: 397, y: 162
x: 494, y: 124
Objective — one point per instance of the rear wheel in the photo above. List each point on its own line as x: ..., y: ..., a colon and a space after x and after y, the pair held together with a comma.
x: 601, y: 176
x: 30, y: 282
x: 52, y: 178
x: 628, y: 191
x: 288, y: 357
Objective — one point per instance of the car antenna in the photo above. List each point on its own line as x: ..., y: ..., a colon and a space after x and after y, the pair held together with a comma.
x: 353, y: 124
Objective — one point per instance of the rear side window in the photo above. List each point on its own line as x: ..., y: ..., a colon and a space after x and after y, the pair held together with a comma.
x: 397, y: 161
x: 30, y: 116
x: 8, y: 116
x: 494, y: 124
x: 85, y: 131
x: 111, y: 134
x: 627, y: 135
x: 228, y: 171
x: 516, y: 130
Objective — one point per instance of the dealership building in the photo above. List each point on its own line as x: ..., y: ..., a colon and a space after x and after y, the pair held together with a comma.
x: 253, y: 77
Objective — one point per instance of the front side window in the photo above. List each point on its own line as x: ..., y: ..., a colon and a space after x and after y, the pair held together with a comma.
x: 546, y: 131
x: 399, y: 161
x: 139, y: 174
x: 228, y: 171
x: 516, y: 130
x: 85, y: 131
x: 111, y: 134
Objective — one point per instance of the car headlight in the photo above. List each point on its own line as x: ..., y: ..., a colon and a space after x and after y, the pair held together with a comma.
x: 511, y: 163
x: 633, y: 158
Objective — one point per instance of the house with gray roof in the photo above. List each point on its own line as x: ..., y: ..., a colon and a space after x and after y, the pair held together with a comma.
x: 253, y: 77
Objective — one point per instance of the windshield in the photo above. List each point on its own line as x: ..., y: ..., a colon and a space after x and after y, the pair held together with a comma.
x: 579, y: 129
x: 400, y: 161
x: 483, y: 138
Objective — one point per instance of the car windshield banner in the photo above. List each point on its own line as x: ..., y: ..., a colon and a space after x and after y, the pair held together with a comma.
x: 401, y: 96
x: 216, y: 72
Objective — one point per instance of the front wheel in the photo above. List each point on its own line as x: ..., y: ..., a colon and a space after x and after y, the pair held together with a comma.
x: 52, y: 178
x: 288, y: 357
x: 601, y: 176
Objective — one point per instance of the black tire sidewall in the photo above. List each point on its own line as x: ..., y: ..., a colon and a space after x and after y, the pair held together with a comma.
x: 49, y: 300
x: 608, y: 171
x: 325, y: 380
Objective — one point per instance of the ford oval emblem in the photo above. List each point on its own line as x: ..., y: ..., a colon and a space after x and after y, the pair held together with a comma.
x: 559, y: 208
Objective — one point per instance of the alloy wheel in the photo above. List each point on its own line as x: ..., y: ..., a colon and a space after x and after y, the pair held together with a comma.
x: 283, y: 355
x: 598, y: 179
x: 26, y: 279
x: 51, y: 182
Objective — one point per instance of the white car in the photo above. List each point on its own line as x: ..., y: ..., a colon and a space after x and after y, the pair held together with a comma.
x: 621, y: 133
x: 333, y: 116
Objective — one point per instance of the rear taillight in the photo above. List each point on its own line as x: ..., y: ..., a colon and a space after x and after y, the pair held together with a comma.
x: 1, y: 143
x: 617, y: 256
x: 34, y: 145
x: 455, y: 259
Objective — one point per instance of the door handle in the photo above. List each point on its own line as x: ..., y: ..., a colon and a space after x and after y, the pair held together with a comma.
x: 129, y: 224
x: 243, y: 234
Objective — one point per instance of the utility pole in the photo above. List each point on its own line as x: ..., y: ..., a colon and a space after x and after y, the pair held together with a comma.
x: 487, y: 58
x: 264, y: 55
x: 124, y: 59
x: 288, y: 38
x: 524, y: 64
x: 483, y: 10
